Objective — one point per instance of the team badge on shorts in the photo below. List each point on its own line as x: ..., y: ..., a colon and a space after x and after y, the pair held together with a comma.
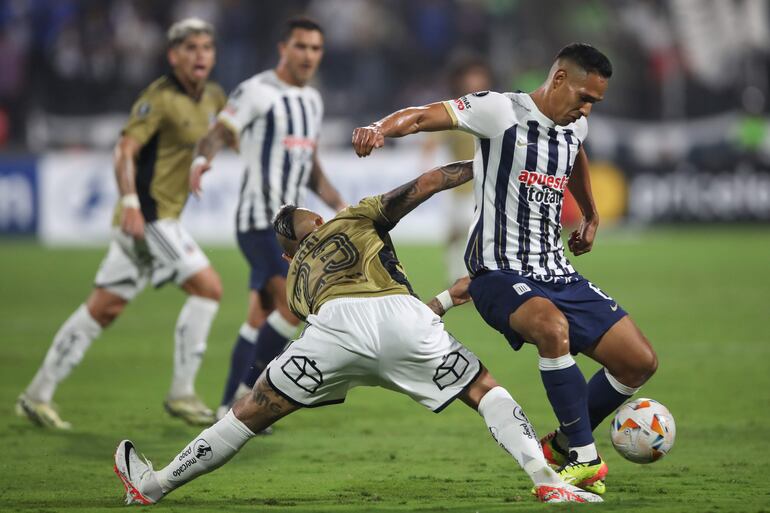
x: 304, y: 373
x: 451, y: 370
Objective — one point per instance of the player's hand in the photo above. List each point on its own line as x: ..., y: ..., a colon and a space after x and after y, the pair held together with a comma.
x: 582, y: 240
x: 459, y: 291
x: 132, y: 222
x: 366, y: 139
x: 199, y: 166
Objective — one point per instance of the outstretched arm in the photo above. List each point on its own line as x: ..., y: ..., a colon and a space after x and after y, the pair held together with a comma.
x: 429, y: 118
x: 321, y: 185
x: 217, y: 137
x: 582, y: 240
x: 402, y: 200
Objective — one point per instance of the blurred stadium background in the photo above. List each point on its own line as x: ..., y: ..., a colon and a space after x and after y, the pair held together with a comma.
x: 680, y: 155
x: 682, y: 136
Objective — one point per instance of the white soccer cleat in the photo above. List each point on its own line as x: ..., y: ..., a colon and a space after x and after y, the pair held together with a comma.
x: 41, y: 414
x: 564, y: 493
x: 137, y: 476
x: 190, y: 409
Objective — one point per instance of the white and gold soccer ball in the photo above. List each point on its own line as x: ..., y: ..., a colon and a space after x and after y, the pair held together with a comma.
x: 643, y: 431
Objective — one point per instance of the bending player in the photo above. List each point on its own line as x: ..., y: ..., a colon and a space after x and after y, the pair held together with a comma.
x: 529, y: 148
x: 346, y: 281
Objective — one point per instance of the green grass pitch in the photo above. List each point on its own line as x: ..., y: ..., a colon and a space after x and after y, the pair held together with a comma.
x: 700, y: 295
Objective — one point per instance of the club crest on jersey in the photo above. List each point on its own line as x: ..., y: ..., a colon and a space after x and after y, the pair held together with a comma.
x: 463, y: 103
x: 543, y: 188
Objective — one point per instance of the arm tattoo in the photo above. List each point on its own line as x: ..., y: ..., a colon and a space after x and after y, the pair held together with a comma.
x: 214, y: 140
x: 402, y: 200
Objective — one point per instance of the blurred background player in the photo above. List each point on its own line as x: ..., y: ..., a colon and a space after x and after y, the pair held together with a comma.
x: 529, y: 150
x: 365, y: 327
x: 274, y: 120
x: 148, y: 242
x: 468, y: 75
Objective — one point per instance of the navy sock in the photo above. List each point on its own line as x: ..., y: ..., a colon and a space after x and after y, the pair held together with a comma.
x: 270, y: 343
x: 241, y: 357
x: 603, y: 399
x: 567, y: 391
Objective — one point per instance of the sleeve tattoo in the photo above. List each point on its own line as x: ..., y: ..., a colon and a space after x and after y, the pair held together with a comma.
x: 402, y: 200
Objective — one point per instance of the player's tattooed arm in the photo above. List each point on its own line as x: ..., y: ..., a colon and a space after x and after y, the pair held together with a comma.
x: 320, y: 184
x: 219, y: 136
x: 402, y: 200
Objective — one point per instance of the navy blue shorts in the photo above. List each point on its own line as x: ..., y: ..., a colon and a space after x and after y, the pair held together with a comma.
x: 589, y: 311
x: 261, y: 249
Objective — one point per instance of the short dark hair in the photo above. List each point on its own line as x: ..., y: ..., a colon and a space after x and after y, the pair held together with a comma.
x: 283, y: 223
x: 299, y: 23
x: 588, y: 58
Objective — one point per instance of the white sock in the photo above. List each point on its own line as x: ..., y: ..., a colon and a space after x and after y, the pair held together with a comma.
x: 192, y: 330
x: 585, y: 453
x: 211, y: 449
x: 511, y: 429
x: 248, y: 332
x: 69, y: 345
x: 281, y: 325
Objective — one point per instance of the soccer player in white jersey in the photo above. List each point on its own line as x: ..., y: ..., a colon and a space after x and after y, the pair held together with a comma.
x: 365, y: 328
x: 529, y: 149
x: 274, y: 120
x: 149, y: 244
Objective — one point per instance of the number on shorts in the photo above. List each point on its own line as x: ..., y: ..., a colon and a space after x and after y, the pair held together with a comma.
x: 599, y: 291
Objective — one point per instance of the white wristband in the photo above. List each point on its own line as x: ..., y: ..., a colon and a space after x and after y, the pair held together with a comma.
x: 130, y: 201
x: 446, y: 300
x: 198, y: 161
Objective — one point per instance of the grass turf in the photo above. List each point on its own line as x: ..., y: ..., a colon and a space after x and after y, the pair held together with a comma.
x: 701, y: 297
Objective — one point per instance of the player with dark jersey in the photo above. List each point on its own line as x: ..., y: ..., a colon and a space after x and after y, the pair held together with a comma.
x: 149, y: 244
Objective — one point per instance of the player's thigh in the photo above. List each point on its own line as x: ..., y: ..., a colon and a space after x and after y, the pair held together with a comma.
x: 625, y: 352
x: 205, y: 283
x: 540, y: 322
x: 263, y: 406
x: 178, y: 258
x: 498, y: 295
x: 122, y: 274
x: 256, y: 313
x: 261, y: 250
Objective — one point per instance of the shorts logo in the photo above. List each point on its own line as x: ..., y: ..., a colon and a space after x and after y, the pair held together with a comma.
x: 452, y: 368
x: 521, y: 288
x: 303, y: 372
x: 203, y: 450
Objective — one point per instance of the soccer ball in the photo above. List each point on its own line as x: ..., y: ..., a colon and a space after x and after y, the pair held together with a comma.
x: 643, y: 431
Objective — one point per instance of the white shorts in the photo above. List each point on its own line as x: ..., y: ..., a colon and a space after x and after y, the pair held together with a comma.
x: 167, y: 253
x: 395, y: 342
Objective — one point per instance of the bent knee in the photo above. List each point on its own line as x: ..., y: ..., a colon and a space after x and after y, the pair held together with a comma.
x: 551, y: 335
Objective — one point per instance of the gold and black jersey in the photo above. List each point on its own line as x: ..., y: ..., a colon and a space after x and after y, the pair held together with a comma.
x: 167, y: 122
x: 349, y: 256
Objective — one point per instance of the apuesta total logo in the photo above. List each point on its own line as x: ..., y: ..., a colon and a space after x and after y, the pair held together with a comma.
x: 549, y: 190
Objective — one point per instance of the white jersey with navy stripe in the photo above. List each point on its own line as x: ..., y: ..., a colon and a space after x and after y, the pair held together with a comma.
x: 522, y: 163
x: 278, y: 125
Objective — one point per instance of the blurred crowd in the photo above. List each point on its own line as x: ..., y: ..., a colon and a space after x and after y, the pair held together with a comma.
x: 674, y: 59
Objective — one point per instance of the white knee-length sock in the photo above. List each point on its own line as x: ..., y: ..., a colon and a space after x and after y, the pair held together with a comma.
x: 211, y: 449
x: 192, y: 330
x: 511, y: 429
x: 69, y: 345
